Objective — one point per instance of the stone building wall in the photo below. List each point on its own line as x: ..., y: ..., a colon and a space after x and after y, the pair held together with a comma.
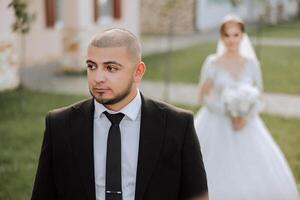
x: 153, y: 19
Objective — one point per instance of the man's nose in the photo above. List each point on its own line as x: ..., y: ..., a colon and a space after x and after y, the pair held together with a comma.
x: 100, y: 76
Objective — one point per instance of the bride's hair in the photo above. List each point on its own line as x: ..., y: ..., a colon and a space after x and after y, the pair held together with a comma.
x: 229, y: 19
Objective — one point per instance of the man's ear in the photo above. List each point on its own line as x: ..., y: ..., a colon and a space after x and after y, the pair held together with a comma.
x: 139, y: 72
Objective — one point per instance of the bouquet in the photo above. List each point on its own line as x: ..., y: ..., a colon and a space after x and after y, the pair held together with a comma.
x: 241, y: 100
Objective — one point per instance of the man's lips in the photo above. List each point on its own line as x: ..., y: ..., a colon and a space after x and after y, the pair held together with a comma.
x: 101, y: 90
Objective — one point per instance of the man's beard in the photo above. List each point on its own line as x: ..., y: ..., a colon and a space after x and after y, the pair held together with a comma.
x: 119, y: 97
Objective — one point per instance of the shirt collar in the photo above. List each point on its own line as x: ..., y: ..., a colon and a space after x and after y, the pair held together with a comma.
x: 131, y: 110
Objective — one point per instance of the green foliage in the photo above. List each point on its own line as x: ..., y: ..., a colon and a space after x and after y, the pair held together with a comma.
x: 23, y: 19
x: 235, y: 3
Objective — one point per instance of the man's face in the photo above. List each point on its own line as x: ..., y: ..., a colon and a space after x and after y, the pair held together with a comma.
x: 112, y: 75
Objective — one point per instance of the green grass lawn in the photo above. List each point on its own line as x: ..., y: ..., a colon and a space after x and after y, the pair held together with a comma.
x: 280, y: 66
x: 21, y: 131
x: 183, y: 66
x: 281, y: 69
x: 289, y: 29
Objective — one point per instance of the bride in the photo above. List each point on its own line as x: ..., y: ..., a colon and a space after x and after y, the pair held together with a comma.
x: 242, y: 160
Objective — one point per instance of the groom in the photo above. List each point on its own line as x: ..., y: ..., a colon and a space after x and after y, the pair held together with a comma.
x: 119, y: 144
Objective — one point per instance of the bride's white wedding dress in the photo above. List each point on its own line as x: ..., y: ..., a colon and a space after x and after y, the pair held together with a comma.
x: 245, y: 164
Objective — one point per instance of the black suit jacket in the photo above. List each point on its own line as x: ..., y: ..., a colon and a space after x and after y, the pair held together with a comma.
x: 169, y: 167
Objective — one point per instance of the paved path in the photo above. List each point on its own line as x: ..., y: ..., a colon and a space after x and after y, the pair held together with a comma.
x: 277, y: 104
x: 277, y: 42
x: 50, y: 77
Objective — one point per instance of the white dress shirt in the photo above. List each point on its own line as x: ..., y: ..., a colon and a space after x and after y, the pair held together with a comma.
x: 130, y: 131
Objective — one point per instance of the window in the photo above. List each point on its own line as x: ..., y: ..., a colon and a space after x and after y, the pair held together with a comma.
x: 58, y: 13
x: 53, y: 12
x: 107, y: 10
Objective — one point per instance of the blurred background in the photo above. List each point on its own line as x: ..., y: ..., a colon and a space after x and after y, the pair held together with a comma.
x: 42, y: 64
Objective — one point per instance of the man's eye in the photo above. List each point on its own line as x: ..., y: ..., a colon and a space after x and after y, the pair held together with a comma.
x: 111, y: 68
x: 91, y: 67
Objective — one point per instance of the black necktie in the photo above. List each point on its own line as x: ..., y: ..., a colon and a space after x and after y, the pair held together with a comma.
x: 113, y: 184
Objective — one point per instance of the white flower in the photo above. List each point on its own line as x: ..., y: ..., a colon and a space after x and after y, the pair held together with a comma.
x: 241, y: 100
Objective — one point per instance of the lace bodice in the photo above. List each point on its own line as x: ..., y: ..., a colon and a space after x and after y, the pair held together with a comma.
x: 222, y: 78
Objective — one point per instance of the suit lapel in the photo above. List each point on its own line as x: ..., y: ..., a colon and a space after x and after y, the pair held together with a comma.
x: 151, y: 140
x: 81, y: 126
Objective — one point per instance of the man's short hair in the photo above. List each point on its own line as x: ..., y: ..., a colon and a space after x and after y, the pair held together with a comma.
x: 117, y: 37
